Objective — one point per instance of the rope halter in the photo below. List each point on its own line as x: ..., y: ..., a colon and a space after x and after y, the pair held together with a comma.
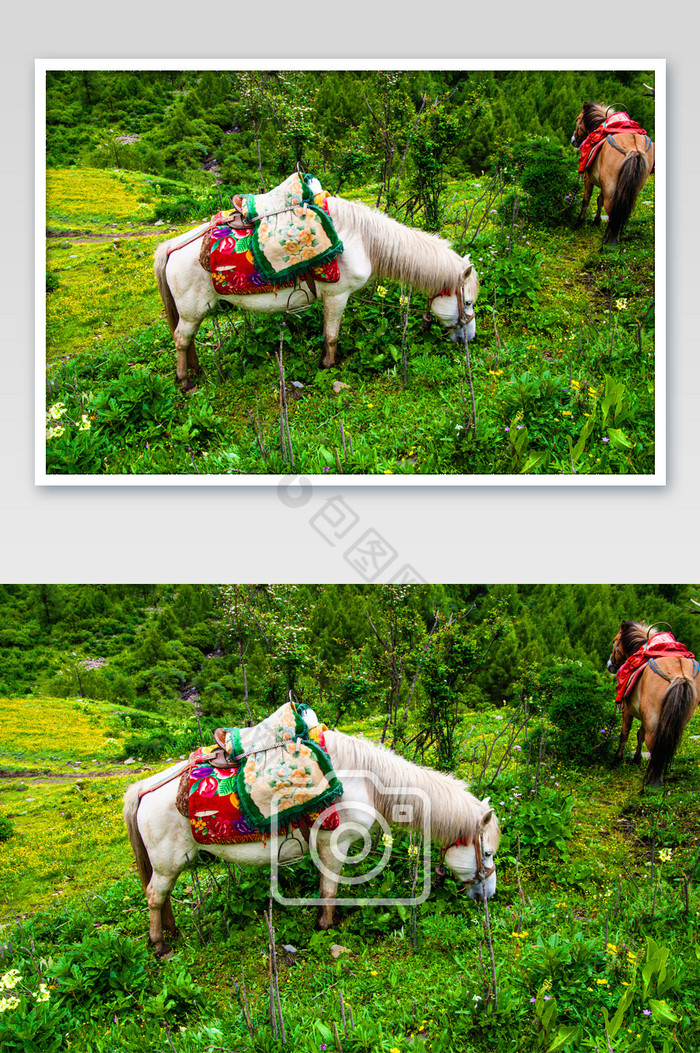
x: 480, y: 875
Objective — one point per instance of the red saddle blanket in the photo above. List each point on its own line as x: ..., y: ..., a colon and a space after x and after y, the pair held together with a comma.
x: 662, y: 645
x: 214, y: 808
x: 612, y: 125
x: 233, y: 268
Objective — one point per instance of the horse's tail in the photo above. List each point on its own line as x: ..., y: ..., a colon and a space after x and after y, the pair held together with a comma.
x: 630, y: 181
x: 676, y: 710
x: 161, y: 261
x: 131, y: 807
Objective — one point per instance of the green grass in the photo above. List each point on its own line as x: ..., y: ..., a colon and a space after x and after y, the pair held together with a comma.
x: 571, y: 923
x: 562, y: 364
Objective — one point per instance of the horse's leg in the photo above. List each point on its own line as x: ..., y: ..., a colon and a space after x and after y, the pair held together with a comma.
x: 158, y: 898
x: 587, y: 191
x: 624, y: 733
x: 168, y: 918
x: 333, y: 307
x: 599, y: 209
x: 193, y: 366
x: 332, y: 863
x: 637, y: 759
x: 183, y: 336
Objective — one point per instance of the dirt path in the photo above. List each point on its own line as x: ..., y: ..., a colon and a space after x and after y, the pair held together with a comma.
x: 41, y: 776
x: 88, y: 235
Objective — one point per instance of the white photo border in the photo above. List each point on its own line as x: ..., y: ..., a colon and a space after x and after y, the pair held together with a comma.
x: 658, y: 66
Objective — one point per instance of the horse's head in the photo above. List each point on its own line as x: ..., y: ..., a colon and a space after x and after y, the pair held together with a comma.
x: 618, y: 655
x: 591, y: 117
x: 471, y: 860
x: 630, y: 638
x: 455, y: 311
x: 580, y: 132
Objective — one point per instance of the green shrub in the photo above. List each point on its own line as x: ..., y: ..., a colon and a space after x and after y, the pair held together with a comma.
x: 7, y: 828
x: 540, y: 825
x: 33, y: 1027
x: 99, y: 972
x: 580, y: 704
x: 549, y: 181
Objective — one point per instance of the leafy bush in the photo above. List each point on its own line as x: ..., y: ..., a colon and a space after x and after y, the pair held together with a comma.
x: 7, y: 828
x: 162, y: 743
x: 33, y: 1027
x: 548, y: 179
x: 517, y: 275
x: 102, y: 970
x: 580, y: 705
x: 541, y: 825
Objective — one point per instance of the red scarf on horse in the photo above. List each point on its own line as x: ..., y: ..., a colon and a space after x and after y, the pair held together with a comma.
x: 661, y: 645
x: 615, y: 123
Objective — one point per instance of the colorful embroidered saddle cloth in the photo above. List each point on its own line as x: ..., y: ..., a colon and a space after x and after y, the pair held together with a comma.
x: 291, y: 228
x: 616, y: 123
x: 234, y: 270
x: 280, y: 768
x: 661, y: 645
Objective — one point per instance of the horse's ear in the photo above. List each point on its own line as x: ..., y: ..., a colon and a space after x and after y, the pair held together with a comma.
x: 467, y: 271
x: 486, y: 817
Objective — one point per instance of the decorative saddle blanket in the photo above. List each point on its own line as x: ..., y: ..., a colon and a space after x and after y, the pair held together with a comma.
x: 614, y: 124
x: 271, y: 241
x: 233, y: 267
x: 661, y: 645
x: 278, y: 768
x: 292, y: 228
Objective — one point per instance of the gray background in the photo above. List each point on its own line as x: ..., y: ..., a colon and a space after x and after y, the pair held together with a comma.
x: 176, y: 533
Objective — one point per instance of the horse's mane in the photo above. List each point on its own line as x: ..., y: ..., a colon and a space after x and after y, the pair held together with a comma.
x: 454, y: 812
x: 400, y: 253
x: 594, y: 113
x: 634, y: 635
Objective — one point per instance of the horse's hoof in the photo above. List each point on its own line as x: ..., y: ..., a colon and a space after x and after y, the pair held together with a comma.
x: 188, y: 388
x: 323, y: 923
x: 164, y: 952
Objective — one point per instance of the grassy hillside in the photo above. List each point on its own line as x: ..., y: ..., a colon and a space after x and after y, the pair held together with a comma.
x: 594, y: 925
x: 562, y: 364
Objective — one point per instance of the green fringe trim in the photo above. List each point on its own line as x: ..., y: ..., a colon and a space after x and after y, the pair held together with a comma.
x: 272, y: 276
x: 254, y: 817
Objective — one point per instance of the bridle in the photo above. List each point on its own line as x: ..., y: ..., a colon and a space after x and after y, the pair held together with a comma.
x: 478, y: 844
x: 618, y: 656
x: 463, y: 319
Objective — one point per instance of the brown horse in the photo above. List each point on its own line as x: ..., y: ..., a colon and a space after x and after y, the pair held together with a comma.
x: 664, y: 696
x: 620, y: 167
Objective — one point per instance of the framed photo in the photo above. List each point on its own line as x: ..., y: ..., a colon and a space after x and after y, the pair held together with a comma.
x: 486, y: 238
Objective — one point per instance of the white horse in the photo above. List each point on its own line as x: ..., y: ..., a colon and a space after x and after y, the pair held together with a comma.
x: 374, y: 245
x: 379, y: 786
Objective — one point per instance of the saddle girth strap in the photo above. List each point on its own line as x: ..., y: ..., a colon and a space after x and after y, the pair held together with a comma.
x: 611, y: 139
x: 660, y: 672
